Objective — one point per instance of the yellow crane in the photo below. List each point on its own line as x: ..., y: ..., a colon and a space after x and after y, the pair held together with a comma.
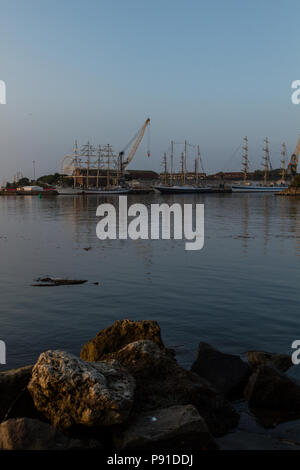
x: 137, y: 138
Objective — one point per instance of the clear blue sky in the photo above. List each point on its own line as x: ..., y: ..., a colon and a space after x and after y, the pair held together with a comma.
x: 208, y: 71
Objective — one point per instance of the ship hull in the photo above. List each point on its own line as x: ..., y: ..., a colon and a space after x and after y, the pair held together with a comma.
x: 68, y: 191
x: 182, y: 190
x: 106, y: 191
x: 257, y: 189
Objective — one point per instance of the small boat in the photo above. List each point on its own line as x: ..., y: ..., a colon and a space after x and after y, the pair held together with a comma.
x: 66, y: 191
x: 244, y: 188
x: 108, y: 191
x: 184, y: 189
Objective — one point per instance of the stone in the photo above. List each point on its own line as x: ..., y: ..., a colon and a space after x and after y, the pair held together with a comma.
x: 228, y: 373
x: 31, y: 434
x: 12, y: 383
x: 270, y: 389
x: 161, y: 382
x: 282, y: 362
x: 118, y: 335
x: 69, y: 391
x: 168, y: 428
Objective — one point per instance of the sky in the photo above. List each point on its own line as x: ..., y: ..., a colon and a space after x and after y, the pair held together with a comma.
x: 210, y: 72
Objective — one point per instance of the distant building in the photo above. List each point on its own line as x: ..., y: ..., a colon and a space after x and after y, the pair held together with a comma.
x: 231, y: 175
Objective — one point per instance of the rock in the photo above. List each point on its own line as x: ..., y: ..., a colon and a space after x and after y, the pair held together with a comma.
x: 31, y: 434
x: 12, y: 384
x: 282, y: 362
x: 167, y: 428
x: 228, y: 373
x: 161, y: 382
x: 270, y: 389
x: 68, y: 391
x: 118, y: 335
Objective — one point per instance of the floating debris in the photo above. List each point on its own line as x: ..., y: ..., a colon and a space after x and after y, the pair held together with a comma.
x: 50, y: 281
x: 88, y: 248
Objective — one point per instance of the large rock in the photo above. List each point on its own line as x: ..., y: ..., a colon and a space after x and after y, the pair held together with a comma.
x: 31, y: 434
x: 12, y: 383
x: 161, y: 382
x: 228, y: 373
x: 168, y: 428
x: 282, y: 362
x: 118, y: 335
x: 68, y: 391
x: 270, y: 389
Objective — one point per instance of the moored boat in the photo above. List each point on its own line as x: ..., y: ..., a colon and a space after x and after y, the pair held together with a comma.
x: 67, y: 191
x: 244, y: 188
x: 107, y: 191
x: 183, y: 189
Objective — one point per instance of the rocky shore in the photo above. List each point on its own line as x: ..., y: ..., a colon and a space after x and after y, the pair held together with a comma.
x: 126, y: 391
x: 290, y: 191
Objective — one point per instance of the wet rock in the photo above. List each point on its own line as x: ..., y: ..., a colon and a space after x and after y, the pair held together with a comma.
x: 282, y: 362
x: 228, y: 373
x: 12, y: 384
x: 161, y: 382
x: 31, y: 434
x: 69, y: 391
x: 167, y: 428
x: 118, y: 335
x: 270, y: 389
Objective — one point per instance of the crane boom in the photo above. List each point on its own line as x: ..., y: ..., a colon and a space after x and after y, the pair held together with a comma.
x: 135, y: 145
x: 292, y: 167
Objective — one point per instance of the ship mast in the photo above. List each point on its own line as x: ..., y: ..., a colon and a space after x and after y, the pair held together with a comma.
x: 108, y: 155
x: 172, y: 158
x: 266, y: 159
x: 283, y: 153
x: 196, y: 169
x: 182, y: 168
x: 165, y: 168
x: 75, y: 163
x: 98, y: 166
x: 184, y: 161
x: 245, y: 159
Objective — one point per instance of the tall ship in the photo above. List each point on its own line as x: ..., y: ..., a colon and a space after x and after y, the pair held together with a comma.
x: 99, y: 170
x: 171, y: 185
x: 248, y: 187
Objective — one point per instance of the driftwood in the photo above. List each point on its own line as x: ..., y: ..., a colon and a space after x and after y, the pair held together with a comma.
x: 50, y: 282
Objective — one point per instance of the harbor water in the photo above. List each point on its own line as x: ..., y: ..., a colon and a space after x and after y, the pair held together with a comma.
x: 240, y: 292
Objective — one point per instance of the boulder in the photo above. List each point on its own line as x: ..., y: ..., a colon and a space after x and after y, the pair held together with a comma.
x: 270, y: 389
x: 31, y: 434
x: 168, y: 428
x: 12, y: 383
x: 228, y: 373
x: 282, y: 362
x: 69, y: 391
x: 161, y: 382
x: 118, y: 335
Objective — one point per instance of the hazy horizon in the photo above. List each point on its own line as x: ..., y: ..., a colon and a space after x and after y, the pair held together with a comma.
x: 209, y: 72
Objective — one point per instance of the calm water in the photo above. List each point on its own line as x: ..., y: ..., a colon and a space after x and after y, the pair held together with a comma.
x: 240, y: 292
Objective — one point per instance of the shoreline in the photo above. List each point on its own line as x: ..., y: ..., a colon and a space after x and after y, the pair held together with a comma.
x: 142, y: 380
